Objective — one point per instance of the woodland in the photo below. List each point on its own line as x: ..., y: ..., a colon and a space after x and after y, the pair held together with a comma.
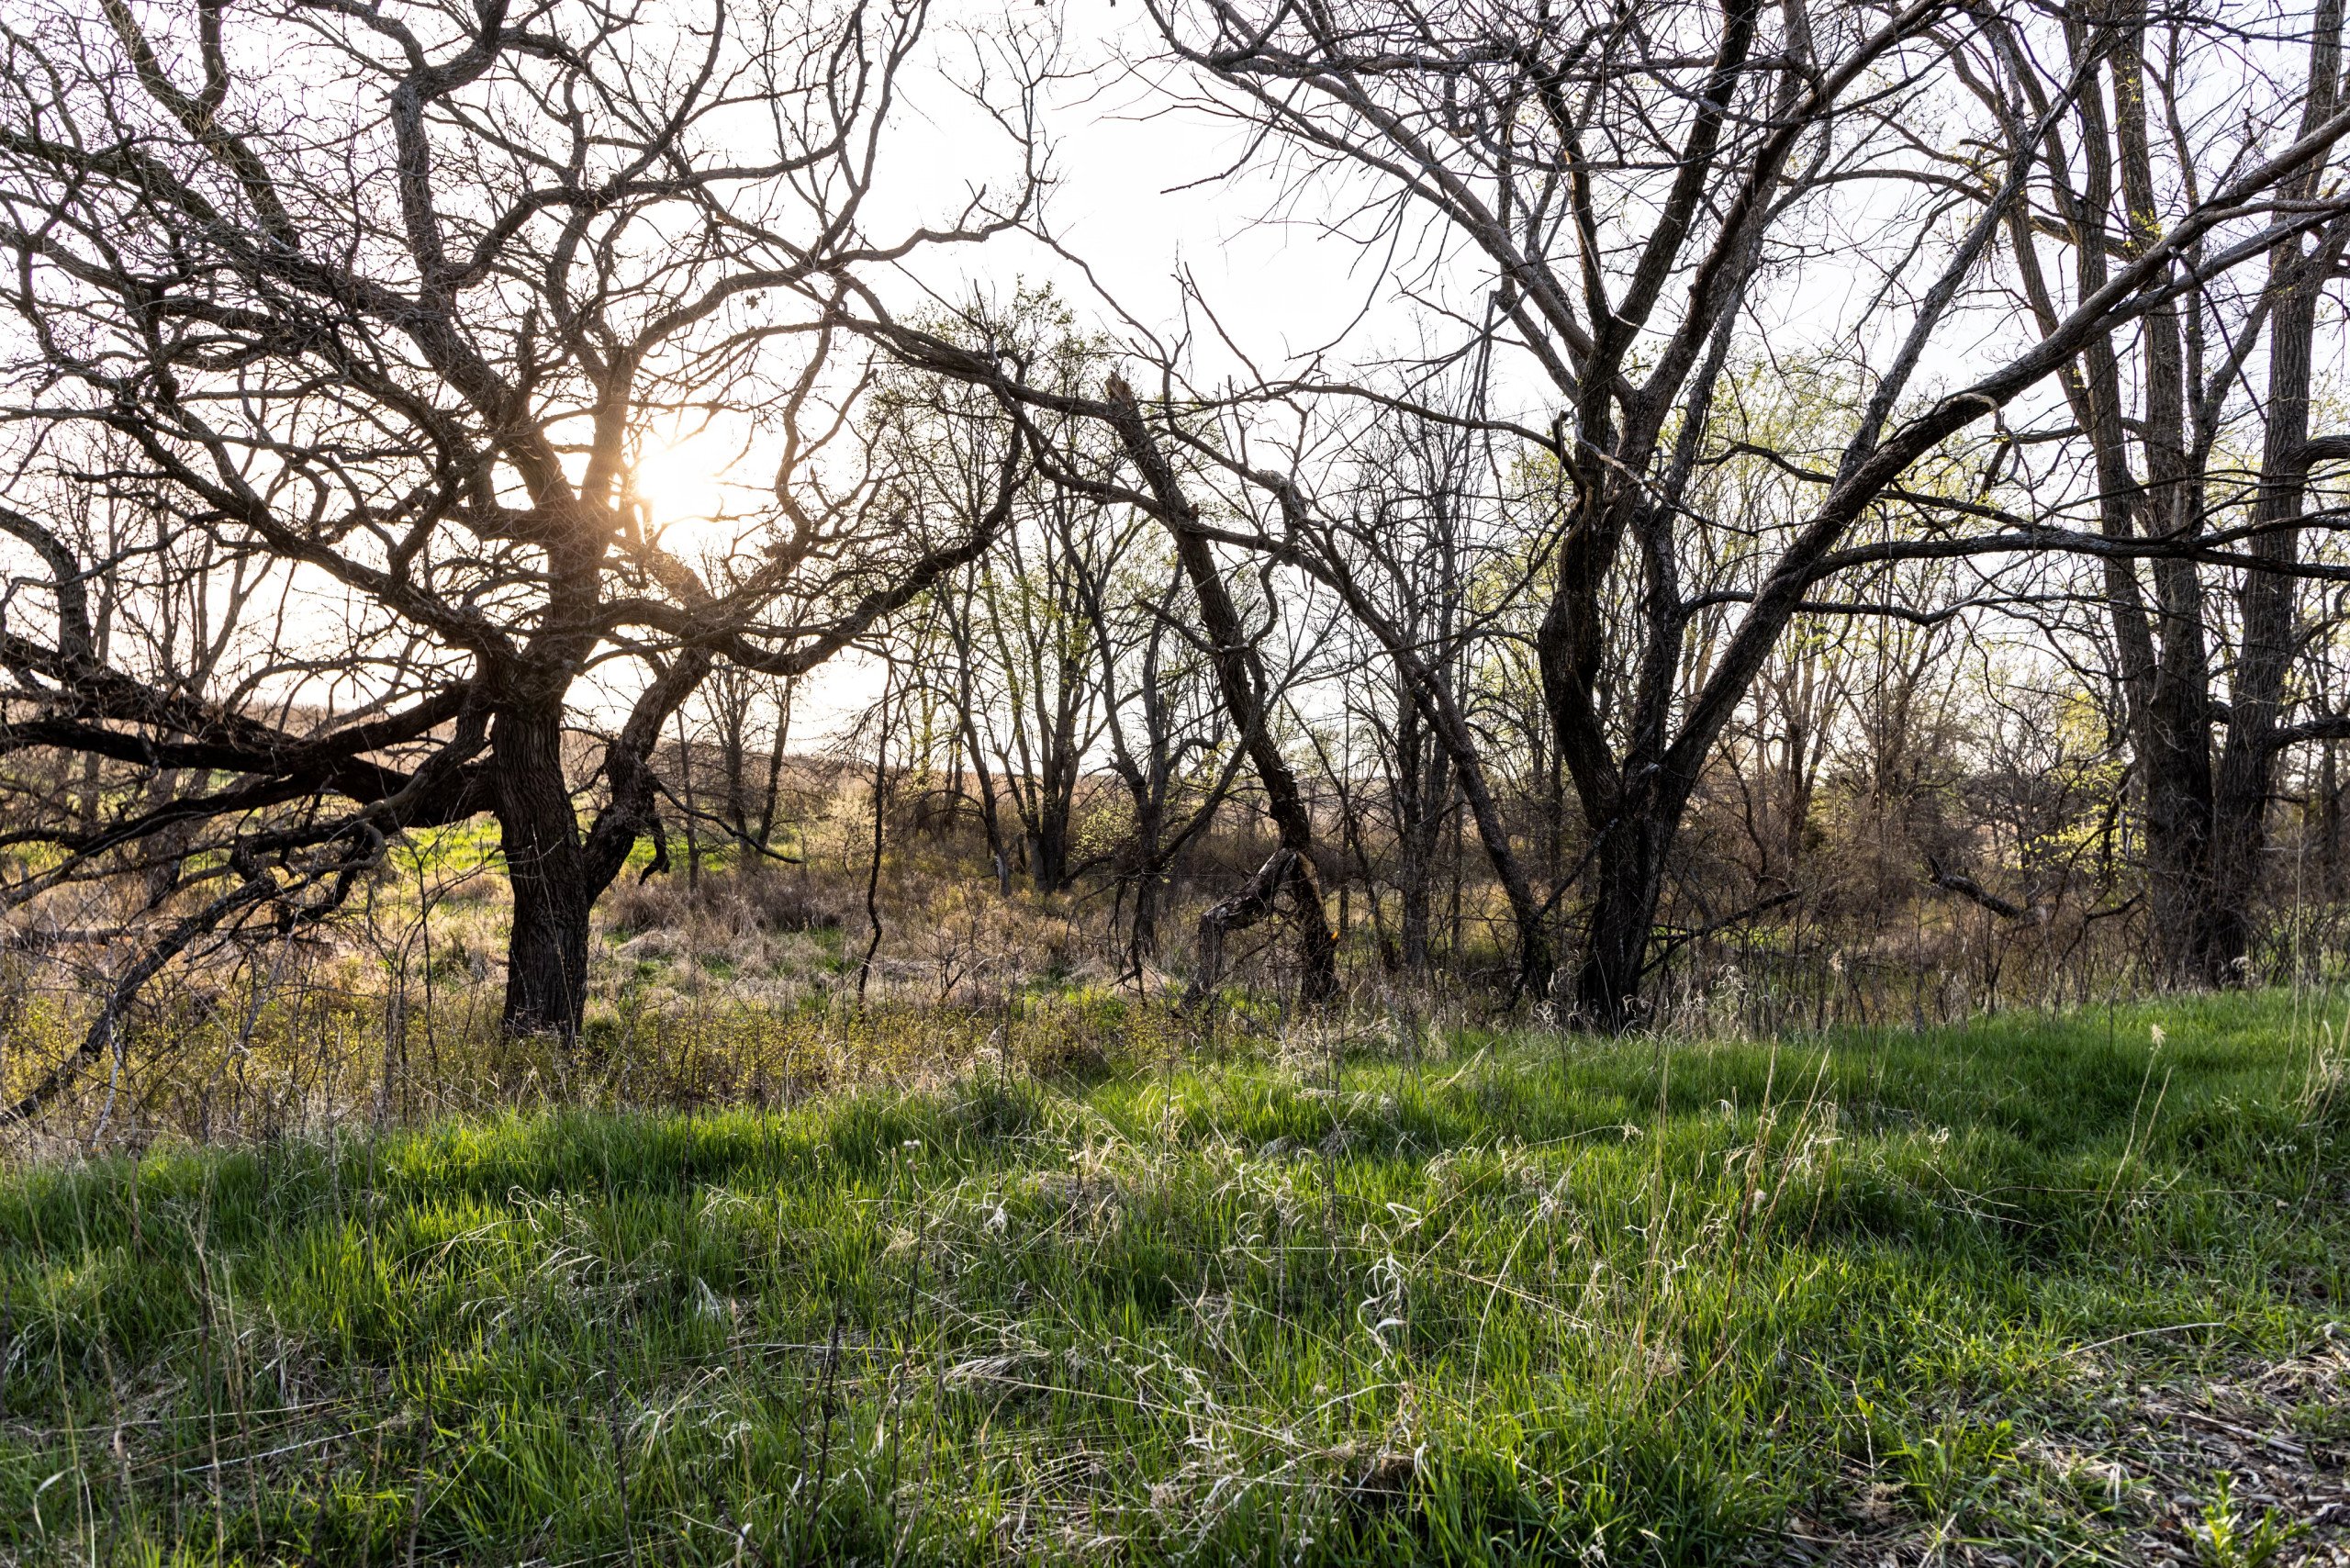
x: 1589, y: 800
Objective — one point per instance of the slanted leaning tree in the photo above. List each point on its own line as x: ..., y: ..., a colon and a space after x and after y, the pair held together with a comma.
x: 391, y: 302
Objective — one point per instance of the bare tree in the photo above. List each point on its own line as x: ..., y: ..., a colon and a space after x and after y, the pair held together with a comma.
x: 386, y: 303
x: 1413, y: 534
x: 2126, y: 139
x: 1643, y: 196
x: 1248, y: 696
x: 1164, y: 729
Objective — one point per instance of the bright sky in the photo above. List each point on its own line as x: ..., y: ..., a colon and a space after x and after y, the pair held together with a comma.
x: 1138, y: 197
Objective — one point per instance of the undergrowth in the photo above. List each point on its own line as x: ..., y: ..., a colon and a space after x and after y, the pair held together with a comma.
x: 1512, y: 1298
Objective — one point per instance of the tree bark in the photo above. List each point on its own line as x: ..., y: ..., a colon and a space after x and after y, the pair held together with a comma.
x: 1285, y: 871
x: 2163, y: 674
x: 2175, y: 737
x: 1628, y: 867
x: 2269, y: 602
x: 546, y: 951
x: 1048, y: 849
x: 1142, y: 941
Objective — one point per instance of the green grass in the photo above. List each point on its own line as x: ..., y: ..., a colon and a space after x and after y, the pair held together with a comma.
x: 1543, y: 1299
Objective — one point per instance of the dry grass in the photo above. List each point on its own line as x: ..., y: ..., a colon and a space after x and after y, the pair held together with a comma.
x: 2029, y: 1291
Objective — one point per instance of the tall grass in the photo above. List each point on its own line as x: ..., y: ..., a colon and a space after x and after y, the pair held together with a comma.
x: 1507, y: 1299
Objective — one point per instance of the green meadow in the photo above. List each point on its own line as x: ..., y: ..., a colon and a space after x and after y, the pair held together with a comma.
x: 2037, y: 1289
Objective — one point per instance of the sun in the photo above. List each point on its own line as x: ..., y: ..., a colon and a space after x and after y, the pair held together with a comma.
x: 681, y: 483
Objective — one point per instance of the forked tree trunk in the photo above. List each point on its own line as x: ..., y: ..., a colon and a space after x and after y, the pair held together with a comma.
x: 1048, y: 846
x: 1149, y: 874
x: 1142, y: 943
x: 2182, y: 905
x: 2165, y: 666
x: 1415, y: 887
x: 1628, y: 872
x: 2207, y: 827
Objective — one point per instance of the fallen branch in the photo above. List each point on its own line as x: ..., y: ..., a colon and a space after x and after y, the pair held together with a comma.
x: 1682, y: 939
x: 1968, y: 887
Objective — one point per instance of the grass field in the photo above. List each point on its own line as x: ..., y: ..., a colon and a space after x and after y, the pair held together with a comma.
x: 2032, y: 1290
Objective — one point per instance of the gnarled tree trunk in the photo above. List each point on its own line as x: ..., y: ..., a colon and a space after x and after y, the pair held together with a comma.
x: 1283, y: 872
x: 546, y: 865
